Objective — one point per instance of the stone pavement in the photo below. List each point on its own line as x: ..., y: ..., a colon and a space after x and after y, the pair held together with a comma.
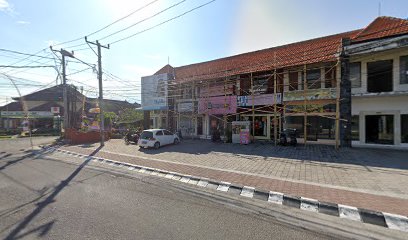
x: 365, y: 178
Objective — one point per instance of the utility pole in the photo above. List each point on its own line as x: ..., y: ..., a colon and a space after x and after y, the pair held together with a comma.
x: 64, y: 84
x: 102, y: 119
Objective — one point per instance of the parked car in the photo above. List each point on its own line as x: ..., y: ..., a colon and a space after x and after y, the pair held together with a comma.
x: 157, y: 138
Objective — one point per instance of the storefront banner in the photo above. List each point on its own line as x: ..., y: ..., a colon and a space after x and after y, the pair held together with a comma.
x: 31, y: 114
x: 185, y: 107
x: 216, y: 90
x: 154, y: 92
x: 217, y: 105
x: 263, y: 99
x: 311, y: 94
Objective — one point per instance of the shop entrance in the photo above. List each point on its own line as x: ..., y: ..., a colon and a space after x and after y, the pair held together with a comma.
x: 379, y: 129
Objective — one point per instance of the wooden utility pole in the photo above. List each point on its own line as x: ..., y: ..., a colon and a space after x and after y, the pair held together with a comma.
x: 64, y: 85
x: 102, y: 118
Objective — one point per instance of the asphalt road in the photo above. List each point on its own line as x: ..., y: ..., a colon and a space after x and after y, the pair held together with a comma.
x: 44, y: 197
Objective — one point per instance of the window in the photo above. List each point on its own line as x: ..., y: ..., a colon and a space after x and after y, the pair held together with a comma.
x: 380, y: 129
x: 260, y: 85
x: 313, y: 79
x: 330, y: 77
x: 159, y: 133
x: 167, y: 132
x: 293, y: 81
x: 404, y: 128
x: 404, y: 70
x: 355, y: 74
x: 379, y: 76
x: 355, y: 133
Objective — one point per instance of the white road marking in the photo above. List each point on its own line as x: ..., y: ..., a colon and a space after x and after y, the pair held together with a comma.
x: 309, y: 204
x: 224, y: 186
x: 247, y: 192
x: 202, y: 183
x: 349, y: 212
x: 275, y: 197
x: 396, y: 222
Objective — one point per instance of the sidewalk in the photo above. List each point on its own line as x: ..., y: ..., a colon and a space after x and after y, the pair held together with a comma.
x: 364, y: 178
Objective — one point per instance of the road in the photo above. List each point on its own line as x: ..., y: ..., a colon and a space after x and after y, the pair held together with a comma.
x: 44, y: 197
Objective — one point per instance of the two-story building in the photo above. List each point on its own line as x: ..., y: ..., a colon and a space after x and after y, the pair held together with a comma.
x: 310, y: 85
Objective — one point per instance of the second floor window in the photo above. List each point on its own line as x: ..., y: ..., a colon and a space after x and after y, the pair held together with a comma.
x: 355, y: 74
x: 293, y: 81
x: 313, y: 79
x: 404, y: 70
x: 379, y: 76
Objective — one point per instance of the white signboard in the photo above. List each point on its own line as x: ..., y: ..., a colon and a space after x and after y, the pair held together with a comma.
x: 22, y: 114
x: 154, y: 92
x: 185, y: 107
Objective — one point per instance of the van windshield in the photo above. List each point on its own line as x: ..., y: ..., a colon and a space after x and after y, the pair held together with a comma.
x: 146, y: 135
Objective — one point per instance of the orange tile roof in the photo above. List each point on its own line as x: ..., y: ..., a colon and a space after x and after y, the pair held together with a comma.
x: 318, y: 50
x: 382, y: 27
x: 166, y: 69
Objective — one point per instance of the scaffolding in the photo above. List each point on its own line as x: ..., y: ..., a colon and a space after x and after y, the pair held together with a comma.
x: 280, y: 109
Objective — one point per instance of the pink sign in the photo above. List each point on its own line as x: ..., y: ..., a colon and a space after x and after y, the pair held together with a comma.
x: 218, y: 105
x: 244, y: 136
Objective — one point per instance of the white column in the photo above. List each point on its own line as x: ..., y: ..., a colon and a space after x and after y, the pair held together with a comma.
x: 322, y: 77
x: 397, y: 128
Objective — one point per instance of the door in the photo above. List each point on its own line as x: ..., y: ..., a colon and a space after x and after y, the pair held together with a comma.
x: 160, y: 137
x: 169, y: 137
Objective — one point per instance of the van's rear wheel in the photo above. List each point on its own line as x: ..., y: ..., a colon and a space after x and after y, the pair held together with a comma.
x: 157, y: 145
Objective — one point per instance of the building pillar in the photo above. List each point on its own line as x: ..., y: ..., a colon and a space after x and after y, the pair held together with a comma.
x: 345, y: 98
x: 146, y: 119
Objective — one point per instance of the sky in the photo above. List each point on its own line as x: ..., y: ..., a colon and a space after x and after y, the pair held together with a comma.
x: 220, y: 29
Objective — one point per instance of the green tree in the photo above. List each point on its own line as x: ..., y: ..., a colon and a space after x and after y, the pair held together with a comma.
x: 130, y: 115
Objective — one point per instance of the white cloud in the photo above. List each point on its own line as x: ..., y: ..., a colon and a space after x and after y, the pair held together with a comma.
x: 22, y: 22
x: 5, y: 6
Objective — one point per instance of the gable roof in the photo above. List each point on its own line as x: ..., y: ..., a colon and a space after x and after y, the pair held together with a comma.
x: 54, y: 93
x: 382, y: 27
x: 13, y: 106
x: 318, y: 50
x: 47, y: 107
x: 166, y: 69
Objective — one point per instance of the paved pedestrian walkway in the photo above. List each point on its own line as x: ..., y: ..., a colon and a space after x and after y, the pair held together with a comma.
x: 365, y: 178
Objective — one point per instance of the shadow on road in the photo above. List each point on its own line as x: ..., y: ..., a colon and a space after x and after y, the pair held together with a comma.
x: 15, y: 233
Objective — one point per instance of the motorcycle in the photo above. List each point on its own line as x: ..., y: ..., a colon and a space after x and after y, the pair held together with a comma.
x: 292, y: 133
x: 131, y: 137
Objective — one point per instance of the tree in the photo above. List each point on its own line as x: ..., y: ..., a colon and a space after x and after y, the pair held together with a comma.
x: 130, y: 115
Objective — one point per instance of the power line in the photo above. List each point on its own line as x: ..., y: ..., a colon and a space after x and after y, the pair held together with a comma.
x: 145, y: 19
x: 105, y: 27
x: 41, y: 66
x: 21, y: 53
x: 168, y: 20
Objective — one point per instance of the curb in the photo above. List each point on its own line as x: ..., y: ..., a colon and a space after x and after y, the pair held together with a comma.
x: 383, y: 219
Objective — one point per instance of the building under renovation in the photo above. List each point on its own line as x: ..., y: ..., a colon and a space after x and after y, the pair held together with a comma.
x: 345, y: 89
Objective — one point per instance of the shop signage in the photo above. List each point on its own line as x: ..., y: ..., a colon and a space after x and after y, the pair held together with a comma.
x: 154, y: 92
x: 218, y: 105
x: 55, y: 109
x: 311, y: 94
x: 263, y: 99
x: 185, y: 107
x: 31, y: 114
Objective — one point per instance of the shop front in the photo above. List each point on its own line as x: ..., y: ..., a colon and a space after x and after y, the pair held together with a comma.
x: 319, y: 111
x: 218, y: 111
x: 263, y: 118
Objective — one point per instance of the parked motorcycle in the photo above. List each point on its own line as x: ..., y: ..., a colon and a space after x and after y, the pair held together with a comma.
x: 131, y: 137
x: 283, y: 139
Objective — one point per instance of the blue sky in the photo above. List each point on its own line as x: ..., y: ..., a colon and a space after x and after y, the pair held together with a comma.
x: 220, y: 29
